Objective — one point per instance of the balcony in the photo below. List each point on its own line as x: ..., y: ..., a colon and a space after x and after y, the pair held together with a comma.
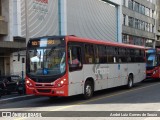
x: 3, y: 26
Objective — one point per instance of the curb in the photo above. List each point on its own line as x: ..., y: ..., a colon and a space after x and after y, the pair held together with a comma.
x: 18, y: 98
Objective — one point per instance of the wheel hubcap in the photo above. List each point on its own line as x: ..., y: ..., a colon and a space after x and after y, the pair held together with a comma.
x: 130, y: 83
x: 88, y: 90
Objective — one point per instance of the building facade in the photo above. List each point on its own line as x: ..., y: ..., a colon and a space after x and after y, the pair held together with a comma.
x: 82, y: 18
x: 129, y: 21
x: 158, y: 23
x: 8, y: 43
x: 125, y: 21
x: 139, y: 22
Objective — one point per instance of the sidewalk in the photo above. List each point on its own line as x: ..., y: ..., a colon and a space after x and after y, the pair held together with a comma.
x: 14, y: 97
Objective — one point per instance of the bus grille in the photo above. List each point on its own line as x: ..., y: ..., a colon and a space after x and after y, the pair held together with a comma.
x: 44, y: 90
x: 149, y: 74
x: 44, y: 85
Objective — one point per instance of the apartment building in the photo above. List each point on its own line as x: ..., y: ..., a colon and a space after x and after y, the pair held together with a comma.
x: 139, y: 22
x: 158, y: 23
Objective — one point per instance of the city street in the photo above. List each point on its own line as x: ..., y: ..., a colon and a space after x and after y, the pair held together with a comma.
x: 70, y: 49
x: 143, y: 97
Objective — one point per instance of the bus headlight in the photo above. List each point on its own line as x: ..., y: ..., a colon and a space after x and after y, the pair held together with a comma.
x: 17, y: 83
x: 29, y: 83
x: 61, y: 83
x: 155, y: 72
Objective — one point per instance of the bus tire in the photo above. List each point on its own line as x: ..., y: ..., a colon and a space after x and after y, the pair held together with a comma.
x: 130, y: 81
x: 88, y: 90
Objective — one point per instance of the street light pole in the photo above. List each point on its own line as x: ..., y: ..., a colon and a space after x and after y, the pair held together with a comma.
x: 26, y: 21
x: 27, y: 37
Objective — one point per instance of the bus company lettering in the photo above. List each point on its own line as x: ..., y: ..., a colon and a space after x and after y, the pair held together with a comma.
x: 42, y: 1
x: 41, y: 8
x: 103, y: 70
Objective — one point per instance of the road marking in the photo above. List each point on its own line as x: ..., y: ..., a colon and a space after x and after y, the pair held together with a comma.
x: 106, y: 96
x: 95, y: 99
x: 15, y: 97
x: 21, y: 118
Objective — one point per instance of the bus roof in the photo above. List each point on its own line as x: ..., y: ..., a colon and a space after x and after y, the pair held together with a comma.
x: 85, y: 40
x: 157, y: 49
x: 36, y: 38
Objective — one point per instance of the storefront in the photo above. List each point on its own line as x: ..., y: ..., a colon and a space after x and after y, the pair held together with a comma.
x: 7, y: 48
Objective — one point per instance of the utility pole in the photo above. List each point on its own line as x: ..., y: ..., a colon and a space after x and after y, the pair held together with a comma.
x: 26, y: 21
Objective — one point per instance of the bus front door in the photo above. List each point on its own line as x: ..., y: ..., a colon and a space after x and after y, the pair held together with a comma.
x: 75, y: 70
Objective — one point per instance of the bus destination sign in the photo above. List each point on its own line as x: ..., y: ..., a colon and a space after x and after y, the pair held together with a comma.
x: 45, y: 42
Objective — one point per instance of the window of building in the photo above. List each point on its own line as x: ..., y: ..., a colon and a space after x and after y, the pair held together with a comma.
x: 124, y: 2
x: 142, y: 25
x: 124, y: 19
x: 131, y: 21
x: 143, y: 10
x: 147, y: 11
x: 151, y: 12
x: 130, y: 39
x: 140, y: 8
x: 136, y: 23
x: 124, y: 38
x: 139, y: 24
x: 146, y: 26
x: 0, y: 8
x: 136, y: 7
x: 130, y: 4
x: 152, y: 28
x: 136, y: 40
x: 149, y: 43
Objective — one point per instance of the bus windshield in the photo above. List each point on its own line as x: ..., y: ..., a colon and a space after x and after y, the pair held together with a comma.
x: 46, y: 61
x: 151, y: 60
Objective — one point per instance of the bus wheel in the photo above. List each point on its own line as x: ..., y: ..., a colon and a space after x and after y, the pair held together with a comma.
x: 88, y: 89
x: 130, y: 81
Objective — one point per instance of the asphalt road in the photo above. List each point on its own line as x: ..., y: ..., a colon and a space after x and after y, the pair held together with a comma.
x: 143, y: 97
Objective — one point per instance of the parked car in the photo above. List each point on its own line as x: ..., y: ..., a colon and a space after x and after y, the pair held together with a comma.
x: 3, y: 88
x: 21, y: 87
x: 10, y: 83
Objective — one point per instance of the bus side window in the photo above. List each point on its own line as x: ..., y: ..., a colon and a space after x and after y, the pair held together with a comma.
x: 96, y: 54
x: 74, y: 58
x: 89, y: 54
